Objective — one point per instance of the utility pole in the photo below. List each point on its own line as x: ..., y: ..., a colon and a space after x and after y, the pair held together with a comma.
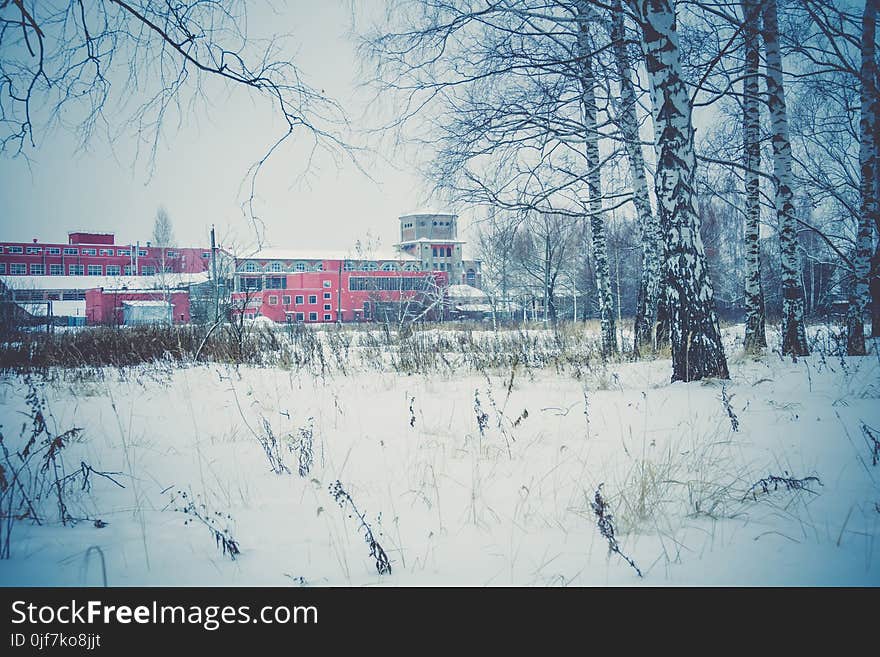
x: 214, y: 276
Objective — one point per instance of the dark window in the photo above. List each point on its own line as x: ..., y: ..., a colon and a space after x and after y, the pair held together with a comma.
x: 313, y: 298
x: 275, y: 283
x: 327, y: 306
x: 298, y: 300
x: 313, y: 317
x: 389, y: 283
x: 300, y: 317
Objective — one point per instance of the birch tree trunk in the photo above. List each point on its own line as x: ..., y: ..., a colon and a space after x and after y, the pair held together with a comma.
x: 594, y: 181
x: 859, y: 295
x: 695, y: 338
x: 649, y: 229
x: 794, y: 335
x: 756, y: 338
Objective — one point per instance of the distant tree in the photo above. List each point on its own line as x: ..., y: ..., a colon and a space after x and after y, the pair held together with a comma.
x: 163, y: 231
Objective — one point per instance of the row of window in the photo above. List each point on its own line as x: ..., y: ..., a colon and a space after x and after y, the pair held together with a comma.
x: 350, y: 265
x: 443, y: 252
x: 54, y: 250
x: 38, y: 269
x: 300, y: 317
x: 271, y: 283
x: 389, y: 283
x: 40, y: 295
x: 285, y: 300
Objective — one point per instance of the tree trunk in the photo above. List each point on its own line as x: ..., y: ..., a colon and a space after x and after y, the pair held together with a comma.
x: 695, y: 338
x: 594, y: 182
x: 858, y: 300
x: 649, y: 230
x: 794, y: 334
x: 756, y: 338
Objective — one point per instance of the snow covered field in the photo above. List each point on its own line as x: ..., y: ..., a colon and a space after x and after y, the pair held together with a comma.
x: 462, y: 477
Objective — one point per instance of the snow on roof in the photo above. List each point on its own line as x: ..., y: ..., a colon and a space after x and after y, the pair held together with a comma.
x: 474, y: 308
x: 465, y: 292
x: 59, y: 308
x: 147, y: 304
x: 299, y: 254
x: 106, y: 282
x: 428, y: 240
x: 428, y: 212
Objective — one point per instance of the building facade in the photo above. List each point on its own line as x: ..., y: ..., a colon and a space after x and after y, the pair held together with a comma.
x: 311, y: 287
x: 432, y: 238
x: 97, y: 254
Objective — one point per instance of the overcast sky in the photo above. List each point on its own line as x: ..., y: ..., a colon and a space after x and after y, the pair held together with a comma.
x: 200, y: 165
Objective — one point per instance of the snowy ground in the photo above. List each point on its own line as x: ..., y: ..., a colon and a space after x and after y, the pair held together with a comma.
x: 448, y: 505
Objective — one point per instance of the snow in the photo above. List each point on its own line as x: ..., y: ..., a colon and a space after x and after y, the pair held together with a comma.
x: 170, y: 280
x: 451, y: 506
x: 464, y: 292
x: 59, y: 308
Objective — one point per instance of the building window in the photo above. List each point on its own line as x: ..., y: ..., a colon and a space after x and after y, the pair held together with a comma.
x: 37, y: 270
x: 106, y: 252
x: 411, y: 266
x: 113, y: 270
x: 71, y: 251
x: 2, y: 267
x: 73, y: 296
x: 300, y: 317
x: 75, y: 270
x: 313, y: 317
x: 448, y: 251
x: 34, y: 249
x: 172, y: 254
x: 275, y: 266
x: 206, y: 254
x: 390, y: 266
x: 328, y: 295
x: 56, y: 270
x: 90, y: 252
x: 123, y: 252
x: 327, y: 306
x: 370, y: 266
x: 18, y: 268
x: 17, y: 249
x: 327, y: 284
x: 318, y: 266
x: 299, y: 300
x: 273, y: 300
x: 250, y: 283
x: 389, y: 283
x: 53, y: 250
x: 285, y: 300
x: 148, y: 271
x: 142, y: 253
x: 250, y: 266
x: 348, y: 266
x: 327, y: 317
x: 300, y: 266
x: 128, y: 270
x: 95, y: 270
x: 313, y: 298
x: 275, y: 283
x: 435, y: 251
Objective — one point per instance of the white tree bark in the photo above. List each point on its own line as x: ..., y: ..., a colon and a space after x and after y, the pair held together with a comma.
x: 694, y: 335
x: 649, y: 229
x: 755, y: 337
x: 859, y: 295
x: 594, y: 180
x: 794, y: 335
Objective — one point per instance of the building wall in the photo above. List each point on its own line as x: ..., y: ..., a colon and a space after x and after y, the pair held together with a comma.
x: 38, y: 259
x: 327, y: 296
x: 105, y: 306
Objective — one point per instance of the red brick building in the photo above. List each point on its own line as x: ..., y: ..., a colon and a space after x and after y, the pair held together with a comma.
x: 97, y: 254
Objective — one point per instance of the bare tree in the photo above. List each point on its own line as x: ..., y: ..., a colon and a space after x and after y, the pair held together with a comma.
x: 695, y: 337
x: 133, y: 63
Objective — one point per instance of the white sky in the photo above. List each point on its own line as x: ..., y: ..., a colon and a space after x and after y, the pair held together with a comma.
x: 200, y: 165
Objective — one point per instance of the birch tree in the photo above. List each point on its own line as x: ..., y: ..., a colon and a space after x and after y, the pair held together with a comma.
x: 695, y: 338
x: 649, y: 230
x: 858, y: 301
x: 755, y: 335
x: 594, y: 180
x: 794, y: 335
